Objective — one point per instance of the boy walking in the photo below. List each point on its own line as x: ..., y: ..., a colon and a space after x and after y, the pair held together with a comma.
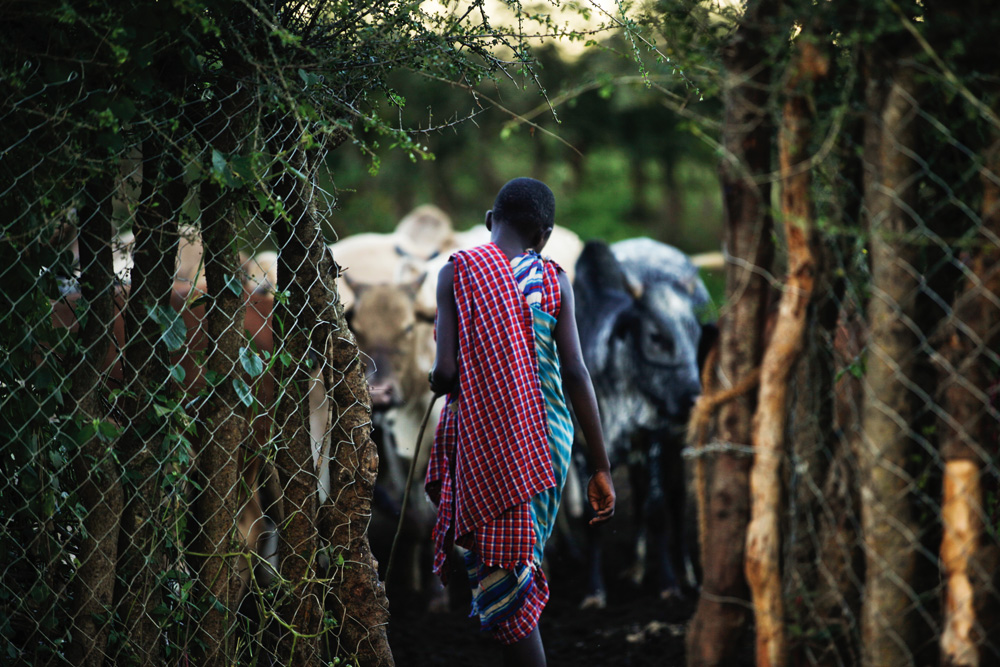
x: 507, y: 347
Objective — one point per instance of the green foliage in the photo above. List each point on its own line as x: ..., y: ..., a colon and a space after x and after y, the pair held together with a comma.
x: 171, y: 324
x: 620, y: 163
x: 193, y: 110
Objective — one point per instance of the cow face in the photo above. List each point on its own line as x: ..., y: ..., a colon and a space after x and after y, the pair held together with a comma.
x: 397, y: 343
x: 637, y: 311
x: 664, y: 343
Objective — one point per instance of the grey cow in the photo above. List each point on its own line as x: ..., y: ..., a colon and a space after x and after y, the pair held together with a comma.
x: 641, y: 311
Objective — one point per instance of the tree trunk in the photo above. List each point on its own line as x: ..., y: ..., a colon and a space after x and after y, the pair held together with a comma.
x: 356, y: 599
x: 968, y: 351
x: 94, y: 465
x: 146, y: 375
x: 353, y: 597
x: 304, y: 321
x: 825, y: 553
x: 716, y: 632
x: 764, y: 532
x: 359, y: 603
x: 889, y: 524
x: 221, y: 433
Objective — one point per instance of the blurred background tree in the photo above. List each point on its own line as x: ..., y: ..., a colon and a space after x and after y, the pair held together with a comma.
x: 617, y: 146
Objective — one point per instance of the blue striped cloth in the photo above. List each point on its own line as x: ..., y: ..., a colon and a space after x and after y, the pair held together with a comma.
x: 528, y: 270
x: 545, y: 505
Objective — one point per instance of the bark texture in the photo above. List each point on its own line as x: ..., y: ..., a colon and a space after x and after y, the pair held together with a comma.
x: 358, y: 600
x: 94, y: 465
x: 891, y: 531
x: 968, y: 352
x: 222, y: 430
x: 716, y: 632
x: 303, y: 321
x: 146, y: 373
x: 767, y: 504
x: 827, y: 570
x: 345, y: 599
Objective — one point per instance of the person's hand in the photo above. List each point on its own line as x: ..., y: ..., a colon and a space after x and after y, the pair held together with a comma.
x: 441, y: 382
x: 601, y: 494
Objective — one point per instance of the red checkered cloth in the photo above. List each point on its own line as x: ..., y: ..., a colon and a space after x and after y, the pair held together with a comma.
x: 491, y: 452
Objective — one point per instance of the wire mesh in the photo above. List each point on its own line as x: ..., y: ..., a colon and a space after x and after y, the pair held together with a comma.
x: 185, y: 463
x: 169, y: 414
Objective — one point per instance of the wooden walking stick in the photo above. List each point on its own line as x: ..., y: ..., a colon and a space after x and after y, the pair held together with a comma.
x: 406, y: 489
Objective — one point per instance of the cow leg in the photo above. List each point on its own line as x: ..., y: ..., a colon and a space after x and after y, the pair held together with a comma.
x: 654, y: 510
x: 640, y: 488
x: 677, y: 512
x: 667, y: 508
x: 391, y: 475
x: 273, y: 506
x: 596, y: 597
x: 319, y: 420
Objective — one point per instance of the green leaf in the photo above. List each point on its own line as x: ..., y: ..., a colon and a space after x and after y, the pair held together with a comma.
x: 309, y: 78
x: 252, y: 363
x: 202, y: 300
x: 86, y: 432
x: 243, y: 392
x: 123, y: 108
x: 56, y: 458
x: 162, y: 410
x: 219, y: 164
x: 242, y: 169
x: 108, y: 431
x: 213, y: 378
x: 221, y: 169
x: 48, y: 505
x: 174, y: 331
x: 234, y: 285
x: 178, y: 373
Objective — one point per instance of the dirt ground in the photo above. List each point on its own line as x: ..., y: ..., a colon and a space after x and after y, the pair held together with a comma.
x: 635, y: 630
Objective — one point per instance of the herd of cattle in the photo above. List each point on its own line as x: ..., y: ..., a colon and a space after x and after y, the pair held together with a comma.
x: 643, y: 314
x: 644, y: 320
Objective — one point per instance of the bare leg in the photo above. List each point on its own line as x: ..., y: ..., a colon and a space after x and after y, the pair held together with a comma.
x: 528, y: 652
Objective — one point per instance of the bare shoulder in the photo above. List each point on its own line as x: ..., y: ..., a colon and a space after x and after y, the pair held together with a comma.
x: 565, y: 286
x: 447, y: 271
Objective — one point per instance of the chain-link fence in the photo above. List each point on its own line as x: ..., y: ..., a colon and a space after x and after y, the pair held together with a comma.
x: 178, y: 384
x: 186, y: 465
x: 846, y: 445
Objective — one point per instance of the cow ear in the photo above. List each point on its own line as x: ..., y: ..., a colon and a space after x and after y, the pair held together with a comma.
x: 347, y: 294
x: 357, y: 287
x: 349, y: 314
x: 412, y: 287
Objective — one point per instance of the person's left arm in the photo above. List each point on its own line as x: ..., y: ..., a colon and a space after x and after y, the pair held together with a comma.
x: 580, y: 391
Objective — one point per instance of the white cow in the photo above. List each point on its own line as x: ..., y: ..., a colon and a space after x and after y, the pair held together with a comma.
x: 564, y: 247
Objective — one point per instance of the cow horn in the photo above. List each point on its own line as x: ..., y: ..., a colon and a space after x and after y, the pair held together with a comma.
x: 632, y: 286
